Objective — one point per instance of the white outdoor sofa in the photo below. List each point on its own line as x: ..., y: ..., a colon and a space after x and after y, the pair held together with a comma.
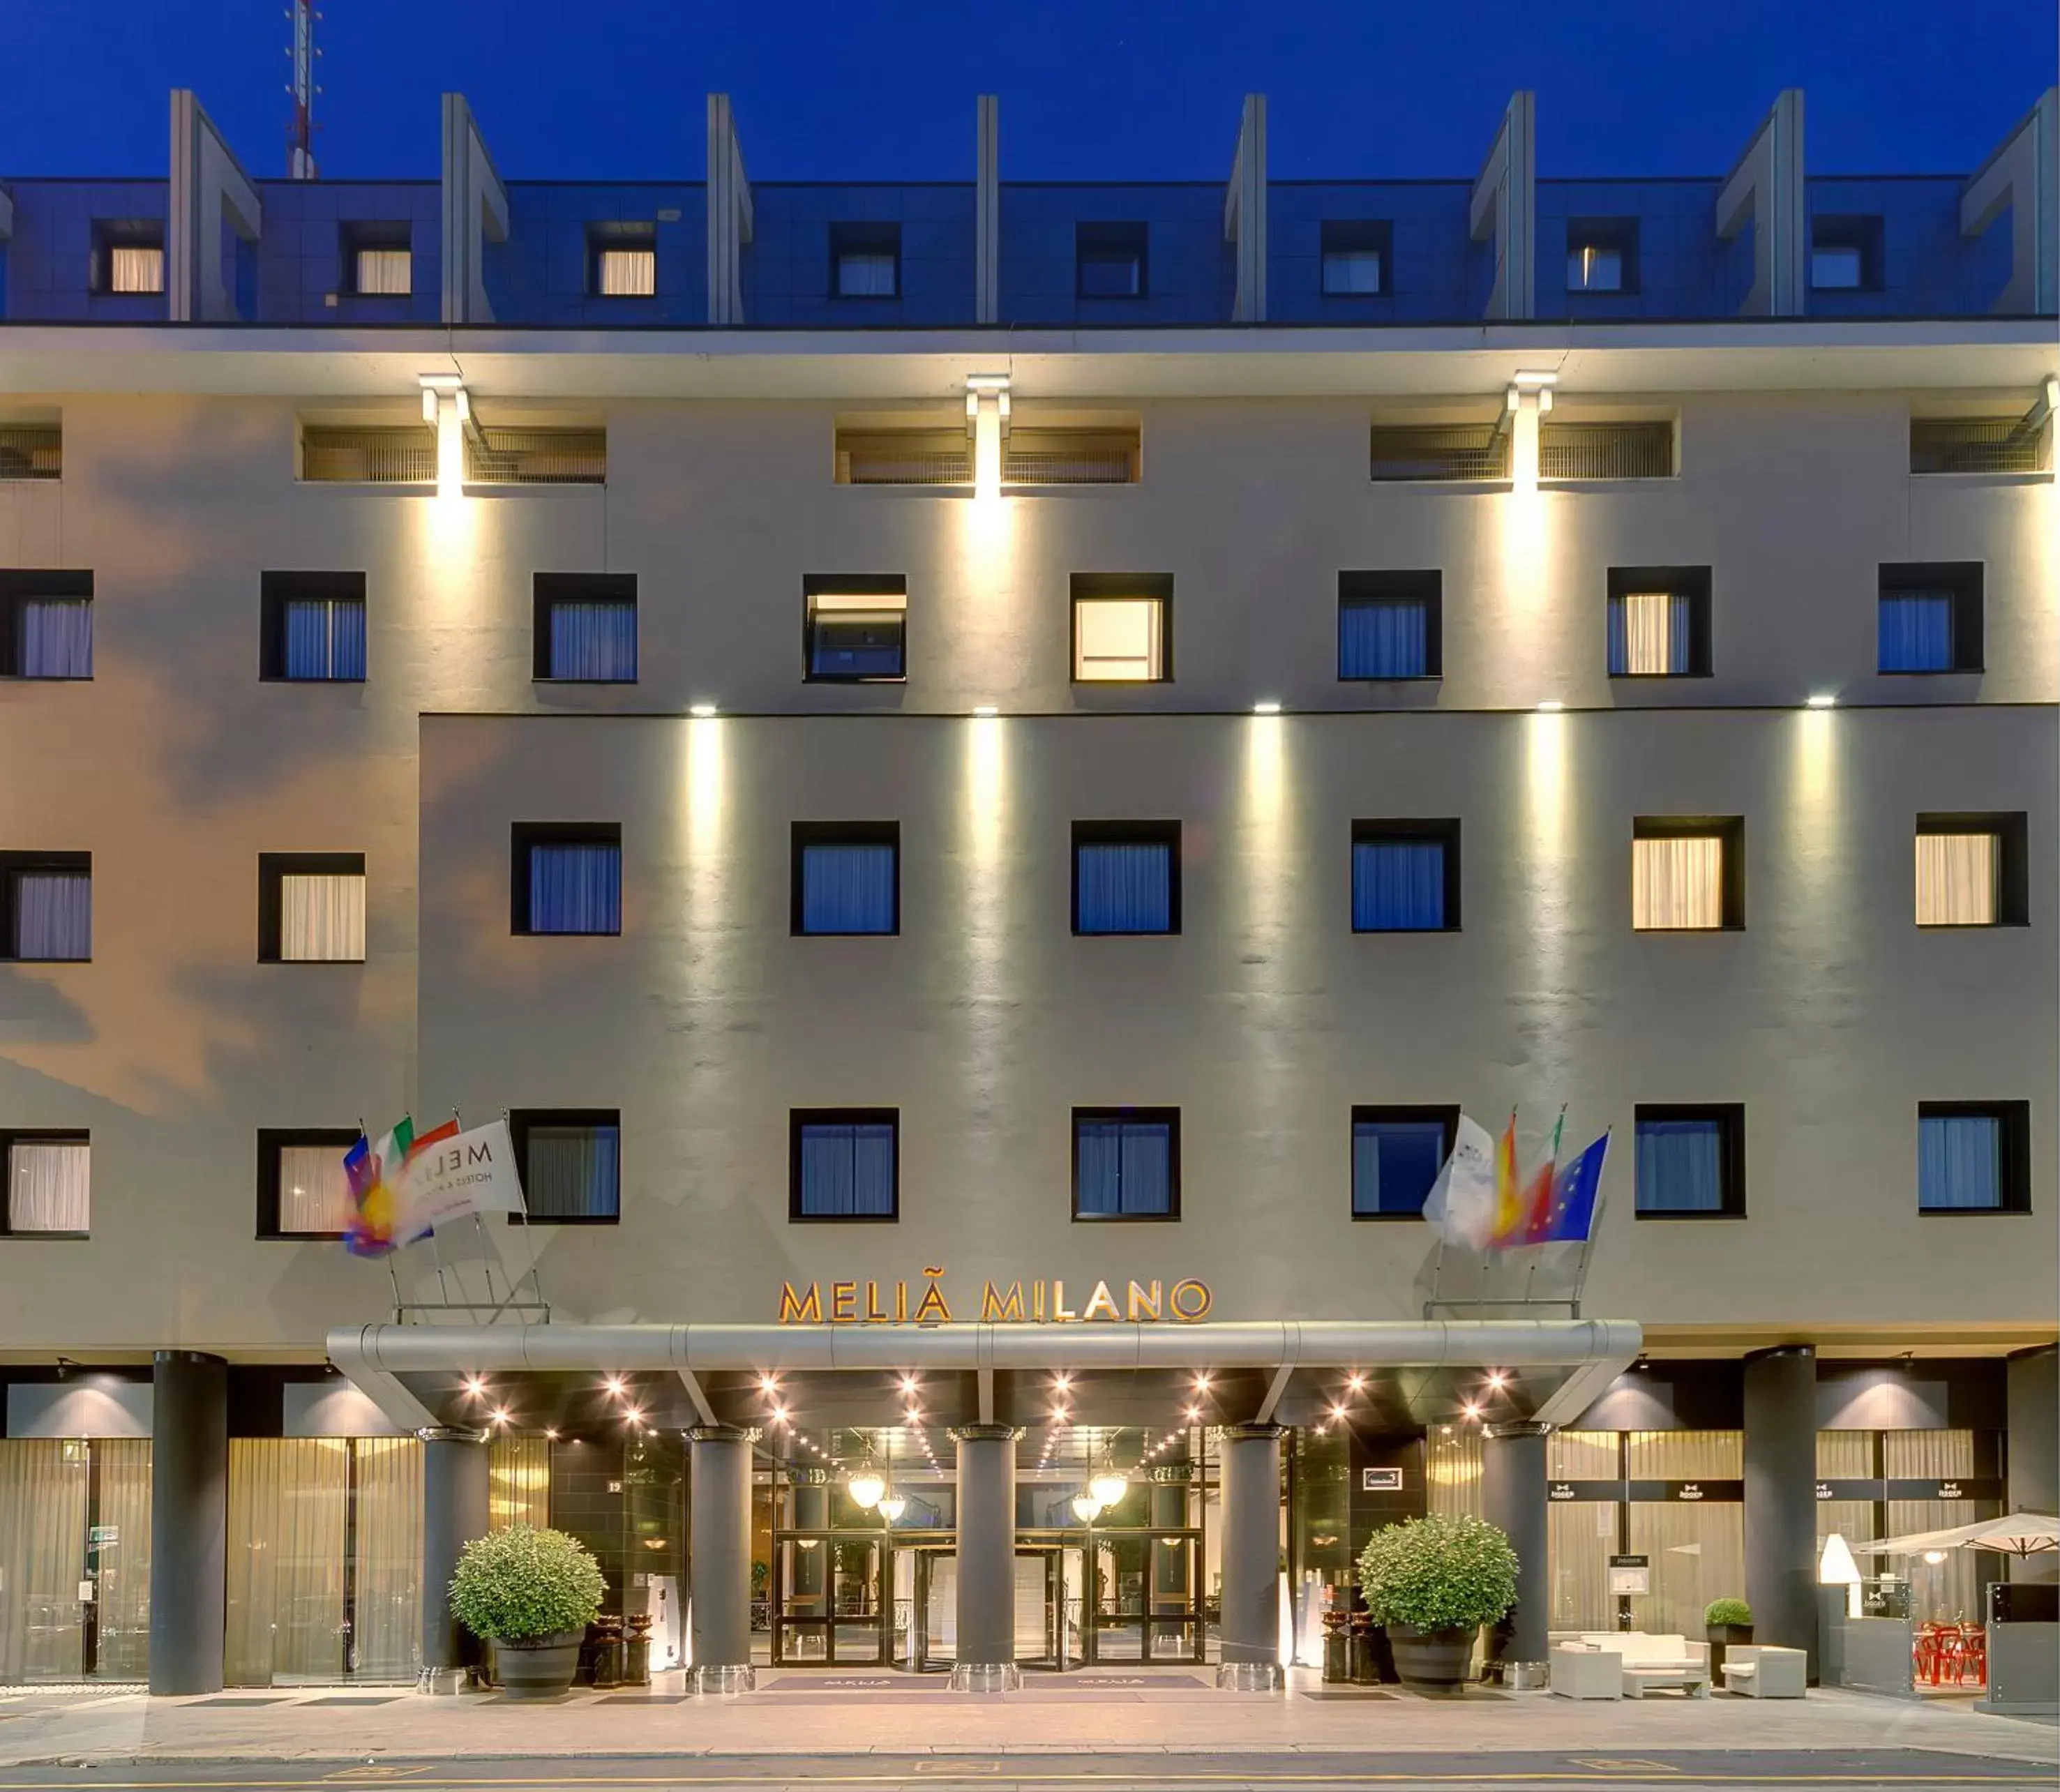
x: 1628, y: 1664
x: 1760, y: 1671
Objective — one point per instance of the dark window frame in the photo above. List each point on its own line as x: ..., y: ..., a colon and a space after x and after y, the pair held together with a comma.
x: 798, y: 1120
x: 1444, y: 829
x: 521, y: 1121
x: 850, y: 585
x: 1094, y: 587
x: 548, y: 589
x: 805, y: 834
x: 272, y: 867
x: 2015, y: 1180
x: 12, y: 1136
x: 522, y: 835
x: 1691, y: 582
x: 1169, y: 1117
x: 1730, y: 1116
x: 2012, y: 829
x: 19, y: 586
x: 1107, y: 242
x: 271, y: 1141
x: 356, y: 234
x: 879, y: 237
x: 1376, y: 1113
x: 111, y: 234
x: 620, y: 232
x: 1355, y: 236
x: 1863, y: 231
x: 1129, y: 833
x: 12, y: 866
x: 1962, y: 580
x: 1617, y: 233
x: 1424, y: 585
x: 276, y: 590
x: 1731, y: 829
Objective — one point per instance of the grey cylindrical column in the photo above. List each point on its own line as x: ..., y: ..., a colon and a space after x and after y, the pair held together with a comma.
x: 986, y: 1657
x: 2033, y: 1449
x: 455, y: 1507
x: 1250, y: 1654
x: 1513, y: 1499
x: 719, y: 1556
x: 188, y: 1520
x: 1781, y: 1497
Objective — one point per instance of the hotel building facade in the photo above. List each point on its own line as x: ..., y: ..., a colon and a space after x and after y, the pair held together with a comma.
x: 981, y: 769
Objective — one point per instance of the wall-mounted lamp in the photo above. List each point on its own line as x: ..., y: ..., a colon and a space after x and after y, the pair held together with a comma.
x: 987, y: 422
x: 1822, y: 700
x: 1267, y: 706
x: 700, y: 712
x: 447, y: 409
x: 1551, y: 706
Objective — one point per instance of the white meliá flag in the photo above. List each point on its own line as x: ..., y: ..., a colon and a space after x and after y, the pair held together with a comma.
x: 1461, y: 1204
x: 471, y: 1172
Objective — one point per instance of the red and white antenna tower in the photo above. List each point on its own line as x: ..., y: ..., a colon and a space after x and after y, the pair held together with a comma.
x: 300, y: 134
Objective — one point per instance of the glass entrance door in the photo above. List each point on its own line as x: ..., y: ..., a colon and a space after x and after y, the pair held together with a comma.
x: 931, y: 1577
x: 1048, y: 1606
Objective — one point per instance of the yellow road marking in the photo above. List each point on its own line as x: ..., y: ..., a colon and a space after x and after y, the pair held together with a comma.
x: 1024, y: 1768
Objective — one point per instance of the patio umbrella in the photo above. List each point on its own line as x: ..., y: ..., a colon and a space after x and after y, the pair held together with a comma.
x: 2017, y: 1534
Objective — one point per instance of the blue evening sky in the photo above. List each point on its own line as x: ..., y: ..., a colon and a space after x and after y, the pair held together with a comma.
x: 1090, y: 89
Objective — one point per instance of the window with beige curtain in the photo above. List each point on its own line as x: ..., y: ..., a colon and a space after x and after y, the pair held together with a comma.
x: 518, y: 1471
x: 1950, y: 1591
x: 321, y: 916
x: 1958, y: 879
x: 134, y: 269
x: 122, y: 1560
x: 49, y: 1185
x: 629, y: 272
x: 289, y: 1507
x: 43, y: 1558
x: 1687, y: 1455
x: 1452, y: 1470
x: 1118, y: 639
x: 386, y: 1638
x: 1697, y: 1552
x: 1678, y: 883
x: 315, y: 1193
x: 389, y: 272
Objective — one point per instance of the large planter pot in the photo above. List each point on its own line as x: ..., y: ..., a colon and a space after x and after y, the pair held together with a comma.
x: 1719, y: 1635
x: 540, y: 1670
x: 1432, y: 1661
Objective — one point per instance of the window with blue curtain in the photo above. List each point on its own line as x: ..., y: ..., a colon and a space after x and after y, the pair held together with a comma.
x: 55, y: 637
x: 593, y: 642
x: 575, y: 886
x: 1960, y: 1159
x: 848, y: 886
x: 1399, y: 882
x: 324, y: 640
x: 52, y: 911
x: 1916, y: 631
x: 1651, y: 634
x: 1126, y: 1166
x: 1395, y: 1161
x: 1383, y: 637
x: 572, y: 1168
x: 1125, y: 885
x: 845, y: 1165
x: 1683, y: 1164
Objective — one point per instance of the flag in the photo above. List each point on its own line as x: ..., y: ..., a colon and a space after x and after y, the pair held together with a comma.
x: 373, y: 1170
x: 1508, y: 1197
x: 1461, y: 1204
x: 1515, y: 1225
x: 450, y: 1173
x: 1571, y: 1215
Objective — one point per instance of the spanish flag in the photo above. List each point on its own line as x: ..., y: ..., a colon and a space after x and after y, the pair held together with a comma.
x: 1509, y: 1211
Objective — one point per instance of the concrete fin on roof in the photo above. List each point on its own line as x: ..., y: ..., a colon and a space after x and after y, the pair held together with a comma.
x: 729, y: 213
x: 987, y: 211
x: 1244, y: 212
x: 475, y: 212
x: 1765, y: 188
x: 1504, y: 208
x: 2022, y: 177
x: 209, y: 187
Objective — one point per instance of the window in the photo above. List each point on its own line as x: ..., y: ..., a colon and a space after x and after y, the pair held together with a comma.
x: 302, y: 1191
x: 847, y: 877
x: 1601, y: 255
x: 1405, y: 876
x: 377, y: 262
x: 312, y: 627
x: 1659, y: 622
x: 1126, y: 877
x: 584, y: 628
x: 1120, y: 627
x: 45, y: 625
x: 1930, y: 617
x: 1355, y: 257
x: 572, y: 1164
x: 622, y: 261
x: 128, y: 255
x: 1390, y: 626
x: 1113, y: 260
x: 865, y: 260
x: 30, y: 450
x: 1688, y: 873
x: 1126, y: 1163
x: 1445, y: 454
x: 46, y: 906
x: 1972, y: 871
x: 844, y: 1163
x: 567, y: 877
x: 1109, y: 454
x: 1845, y: 254
x: 1396, y: 1155
x: 50, y: 1184
x: 311, y: 907
x: 1973, y: 1157
x: 1690, y: 1163
x: 855, y: 627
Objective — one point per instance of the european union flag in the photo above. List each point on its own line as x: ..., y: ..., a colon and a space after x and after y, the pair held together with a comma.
x: 1570, y: 1214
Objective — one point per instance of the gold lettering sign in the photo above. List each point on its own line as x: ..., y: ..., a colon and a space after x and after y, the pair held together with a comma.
x: 1039, y: 1302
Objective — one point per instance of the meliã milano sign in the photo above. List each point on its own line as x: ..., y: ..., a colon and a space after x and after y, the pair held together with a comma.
x: 1034, y: 1302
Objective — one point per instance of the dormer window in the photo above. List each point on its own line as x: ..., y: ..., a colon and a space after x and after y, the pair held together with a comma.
x: 1845, y: 255
x: 379, y: 262
x: 623, y: 260
x: 865, y: 260
x: 1355, y: 255
x: 1601, y: 255
x: 1112, y: 261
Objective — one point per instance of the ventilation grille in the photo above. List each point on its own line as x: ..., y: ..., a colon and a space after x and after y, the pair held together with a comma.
x: 537, y: 457
x: 1030, y: 457
x: 30, y: 452
x: 1605, y: 450
x: 903, y: 458
x: 1976, y: 445
x: 402, y: 456
x: 1440, y: 451
x: 1070, y: 457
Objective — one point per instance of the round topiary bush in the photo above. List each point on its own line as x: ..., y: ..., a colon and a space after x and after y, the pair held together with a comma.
x: 1733, y: 1612
x: 523, y: 1585
x: 1439, y: 1574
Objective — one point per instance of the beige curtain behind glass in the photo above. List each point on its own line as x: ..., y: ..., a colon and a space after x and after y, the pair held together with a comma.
x: 315, y: 1193
x: 288, y: 1504
x: 388, y: 1604
x: 519, y: 1481
x: 1648, y: 632
x: 1687, y: 1455
x: 1116, y: 639
x: 1949, y: 1591
x: 1678, y: 883
x: 629, y: 272
x: 1582, y: 1456
x: 1698, y: 1555
x: 1845, y: 1456
x: 1580, y: 1538
x: 124, y: 1580
x: 49, y: 1187
x: 389, y: 271
x: 321, y: 916
x: 1452, y: 1471
x: 1957, y: 874
x: 42, y: 1558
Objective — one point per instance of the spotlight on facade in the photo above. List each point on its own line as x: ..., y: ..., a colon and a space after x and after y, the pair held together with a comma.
x: 499, y: 1415
x: 1202, y: 1383
x: 614, y: 1385
x: 700, y: 712
x: 1822, y: 700
x: 984, y: 710
x: 768, y: 1384
x: 1471, y: 1409
x: 1267, y: 706
x: 1551, y: 706
x: 475, y: 1386
x: 909, y: 1384
x: 1497, y: 1380
x: 1356, y: 1383
x: 1338, y: 1414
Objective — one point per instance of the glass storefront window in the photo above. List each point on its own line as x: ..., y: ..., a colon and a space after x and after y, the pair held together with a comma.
x: 519, y: 1481
x: 1452, y: 1470
x: 74, y: 1516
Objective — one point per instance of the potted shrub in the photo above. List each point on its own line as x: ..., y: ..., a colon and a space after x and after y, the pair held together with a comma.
x: 532, y: 1594
x: 1725, y: 1621
x: 1432, y: 1583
